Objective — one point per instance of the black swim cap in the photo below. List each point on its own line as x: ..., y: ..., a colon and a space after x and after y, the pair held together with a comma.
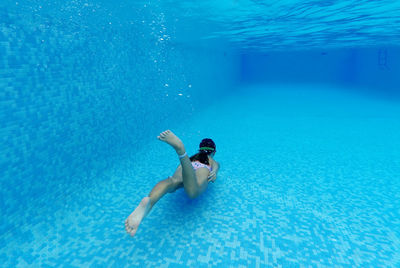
x: 207, y: 145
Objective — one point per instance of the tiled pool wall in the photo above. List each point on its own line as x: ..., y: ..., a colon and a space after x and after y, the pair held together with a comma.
x: 82, y: 87
x: 375, y: 69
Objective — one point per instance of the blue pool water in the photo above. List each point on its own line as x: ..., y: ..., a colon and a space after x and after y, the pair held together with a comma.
x: 301, y: 98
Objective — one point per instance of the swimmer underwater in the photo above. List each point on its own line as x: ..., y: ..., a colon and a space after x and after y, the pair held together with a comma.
x: 193, y: 174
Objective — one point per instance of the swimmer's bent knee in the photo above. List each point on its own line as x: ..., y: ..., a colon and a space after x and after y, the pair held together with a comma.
x: 175, y: 183
x: 192, y: 194
x: 174, y: 180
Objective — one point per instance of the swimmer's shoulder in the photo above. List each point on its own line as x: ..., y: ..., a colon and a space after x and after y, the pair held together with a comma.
x: 212, y: 161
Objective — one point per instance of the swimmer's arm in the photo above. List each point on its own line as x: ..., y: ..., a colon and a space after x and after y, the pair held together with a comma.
x: 214, y: 170
x: 215, y: 166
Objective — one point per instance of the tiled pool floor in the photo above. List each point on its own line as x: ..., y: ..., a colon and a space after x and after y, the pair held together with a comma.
x: 307, y: 179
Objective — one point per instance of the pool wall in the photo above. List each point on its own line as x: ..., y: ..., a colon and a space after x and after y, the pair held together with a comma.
x: 374, y: 70
x: 84, y: 87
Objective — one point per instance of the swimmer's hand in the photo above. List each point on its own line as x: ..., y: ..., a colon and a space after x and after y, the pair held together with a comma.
x: 212, y: 176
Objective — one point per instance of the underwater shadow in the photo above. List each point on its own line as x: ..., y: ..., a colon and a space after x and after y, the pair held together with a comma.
x: 182, y: 204
x: 176, y: 210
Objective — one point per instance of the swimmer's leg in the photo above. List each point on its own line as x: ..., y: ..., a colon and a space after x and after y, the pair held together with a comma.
x: 136, y: 217
x: 190, y: 182
x: 159, y: 190
x: 169, y: 185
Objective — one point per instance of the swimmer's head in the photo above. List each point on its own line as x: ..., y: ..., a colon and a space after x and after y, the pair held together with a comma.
x: 206, y: 149
x: 207, y: 146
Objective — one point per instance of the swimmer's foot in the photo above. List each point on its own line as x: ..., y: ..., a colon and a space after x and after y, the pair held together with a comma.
x: 170, y: 138
x: 136, y: 217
